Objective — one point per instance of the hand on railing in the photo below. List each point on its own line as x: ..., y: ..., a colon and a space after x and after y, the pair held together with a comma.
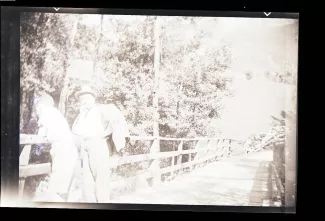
x: 122, y: 153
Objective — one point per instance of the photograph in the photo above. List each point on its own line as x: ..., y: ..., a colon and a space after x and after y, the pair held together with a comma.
x: 179, y: 110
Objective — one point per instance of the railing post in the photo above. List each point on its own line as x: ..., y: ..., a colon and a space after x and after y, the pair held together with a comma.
x: 172, y: 176
x: 229, y: 147
x: 155, y: 165
x: 206, y: 153
x: 246, y: 147
x: 218, y: 150
x: 226, y: 147
x: 210, y: 151
x: 23, y: 161
x: 222, y: 150
x: 179, y: 156
x: 196, y: 156
x: 214, y: 148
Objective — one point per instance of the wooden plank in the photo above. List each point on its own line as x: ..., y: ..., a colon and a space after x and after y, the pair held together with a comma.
x: 172, y: 174
x: 180, y: 155
x: 278, y: 181
x: 276, y: 194
x: 224, y: 149
x: 34, y: 170
x: 155, y: 165
x: 154, y: 171
x: 176, y: 139
x: 31, y: 139
x: 178, y: 159
x: 131, y: 180
x: 36, y: 139
x: 143, y: 157
x: 130, y: 159
x: 25, y: 155
x: 196, y: 156
x: 208, y: 151
x: 215, y: 149
x: 228, y: 148
x: 184, y: 165
x: 151, y: 173
x: 23, y: 160
x: 153, y: 156
x: 220, y: 148
x: 142, y: 137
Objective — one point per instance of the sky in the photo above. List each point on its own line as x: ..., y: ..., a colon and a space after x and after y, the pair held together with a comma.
x: 250, y: 110
x: 256, y: 43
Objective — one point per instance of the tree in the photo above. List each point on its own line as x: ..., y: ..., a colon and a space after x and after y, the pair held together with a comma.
x: 68, y: 55
x: 43, y: 50
x: 193, y: 62
x: 125, y: 76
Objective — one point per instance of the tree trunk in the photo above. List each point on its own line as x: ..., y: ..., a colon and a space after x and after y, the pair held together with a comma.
x: 22, y: 108
x: 98, y: 44
x: 290, y: 161
x: 156, y: 81
x: 180, y: 88
x: 66, y: 81
x: 29, y: 111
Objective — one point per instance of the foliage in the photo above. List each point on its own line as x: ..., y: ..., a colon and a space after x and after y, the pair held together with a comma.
x: 43, y: 50
x: 43, y: 59
x: 192, y: 67
x: 123, y: 53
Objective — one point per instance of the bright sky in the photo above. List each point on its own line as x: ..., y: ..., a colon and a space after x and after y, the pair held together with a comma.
x: 230, y: 22
x: 95, y: 19
x: 254, y: 103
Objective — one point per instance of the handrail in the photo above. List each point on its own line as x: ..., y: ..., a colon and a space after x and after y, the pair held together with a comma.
x: 221, y: 149
x: 36, y: 139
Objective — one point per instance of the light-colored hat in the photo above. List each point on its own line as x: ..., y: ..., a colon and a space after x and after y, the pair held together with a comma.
x: 85, y: 90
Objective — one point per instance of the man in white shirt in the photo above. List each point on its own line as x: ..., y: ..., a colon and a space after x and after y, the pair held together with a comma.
x: 93, y: 125
x: 55, y: 128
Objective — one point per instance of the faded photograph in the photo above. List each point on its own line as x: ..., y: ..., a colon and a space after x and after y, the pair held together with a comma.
x: 158, y: 109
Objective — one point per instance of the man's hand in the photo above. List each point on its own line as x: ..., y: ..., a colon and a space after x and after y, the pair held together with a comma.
x: 122, y: 153
x: 114, y: 160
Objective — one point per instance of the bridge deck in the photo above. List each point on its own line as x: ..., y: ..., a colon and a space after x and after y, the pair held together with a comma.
x: 237, y: 181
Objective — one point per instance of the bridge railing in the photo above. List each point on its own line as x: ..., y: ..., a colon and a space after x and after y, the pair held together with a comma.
x: 206, y: 150
x: 277, y: 144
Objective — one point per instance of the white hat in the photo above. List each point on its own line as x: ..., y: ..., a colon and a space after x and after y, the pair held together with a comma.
x: 85, y: 90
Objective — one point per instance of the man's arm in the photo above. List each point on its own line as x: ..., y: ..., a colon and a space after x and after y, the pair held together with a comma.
x: 42, y: 131
x: 42, y: 127
x: 117, y: 125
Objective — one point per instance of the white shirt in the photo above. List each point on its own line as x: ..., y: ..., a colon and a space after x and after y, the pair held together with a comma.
x: 56, y: 129
x: 89, y: 123
x: 54, y: 126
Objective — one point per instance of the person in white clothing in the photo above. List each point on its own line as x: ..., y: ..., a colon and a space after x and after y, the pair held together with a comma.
x: 102, y: 130
x: 55, y: 128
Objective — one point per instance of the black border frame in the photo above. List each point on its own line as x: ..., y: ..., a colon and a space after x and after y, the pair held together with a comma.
x: 10, y: 93
x: 154, y: 12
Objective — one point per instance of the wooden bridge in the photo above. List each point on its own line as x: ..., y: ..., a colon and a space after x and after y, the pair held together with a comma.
x: 246, y: 180
x: 215, y: 172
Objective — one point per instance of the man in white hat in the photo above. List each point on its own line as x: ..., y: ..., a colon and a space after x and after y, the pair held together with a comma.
x: 55, y: 128
x: 94, y: 124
